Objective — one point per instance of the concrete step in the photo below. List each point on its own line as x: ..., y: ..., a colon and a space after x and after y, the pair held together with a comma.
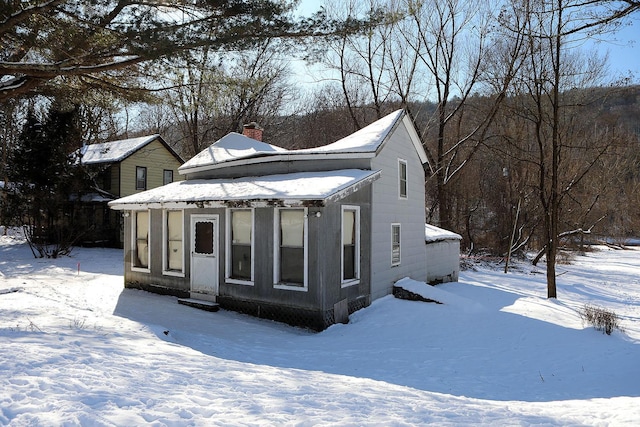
x: 201, y: 304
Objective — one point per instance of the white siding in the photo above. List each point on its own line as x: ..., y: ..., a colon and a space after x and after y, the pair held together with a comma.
x: 388, y: 208
x: 443, y: 261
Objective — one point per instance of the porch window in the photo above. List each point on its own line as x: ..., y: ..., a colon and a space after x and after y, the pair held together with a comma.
x: 173, y: 237
x: 350, y: 245
x: 240, y: 262
x: 140, y: 240
x: 395, y: 244
x: 141, y: 178
x: 291, y: 253
x: 402, y: 178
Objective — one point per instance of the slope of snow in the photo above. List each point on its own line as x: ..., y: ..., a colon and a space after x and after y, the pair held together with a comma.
x: 232, y: 146
x: 113, y: 151
x: 78, y: 349
x: 292, y: 186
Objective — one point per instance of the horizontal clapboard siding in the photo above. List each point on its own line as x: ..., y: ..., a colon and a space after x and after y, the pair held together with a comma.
x: 388, y: 208
x: 156, y: 158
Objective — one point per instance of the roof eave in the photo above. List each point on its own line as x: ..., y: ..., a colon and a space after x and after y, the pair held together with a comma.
x: 277, y: 158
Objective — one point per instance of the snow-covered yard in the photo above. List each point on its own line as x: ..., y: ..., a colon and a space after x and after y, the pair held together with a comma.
x: 78, y: 349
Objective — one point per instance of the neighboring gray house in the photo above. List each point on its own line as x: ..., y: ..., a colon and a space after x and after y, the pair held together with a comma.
x: 300, y: 236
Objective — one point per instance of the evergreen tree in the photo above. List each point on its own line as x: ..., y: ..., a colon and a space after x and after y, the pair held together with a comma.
x: 45, y: 173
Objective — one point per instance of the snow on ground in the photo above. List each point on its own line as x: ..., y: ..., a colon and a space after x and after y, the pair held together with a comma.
x: 78, y: 349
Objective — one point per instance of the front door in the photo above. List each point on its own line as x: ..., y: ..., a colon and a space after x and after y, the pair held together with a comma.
x: 204, y: 256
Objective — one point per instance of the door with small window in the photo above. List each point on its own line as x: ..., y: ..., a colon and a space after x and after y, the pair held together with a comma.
x: 204, y: 254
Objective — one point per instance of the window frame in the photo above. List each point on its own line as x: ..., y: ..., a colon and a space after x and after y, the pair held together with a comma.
x: 134, y: 242
x: 229, y: 248
x: 395, y: 226
x: 277, y: 283
x: 144, y: 185
x: 403, y: 182
x: 164, y: 176
x: 356, y: 262
x: 166, y: 271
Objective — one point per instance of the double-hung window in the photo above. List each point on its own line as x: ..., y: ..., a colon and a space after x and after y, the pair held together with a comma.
x: 350, y: 245
x: 395, y: 244
x: 240, y: 250
x: 167, y: 176
x: 141, y: 178
x: 290, y: 249
x: 402, y: 179
x: 173, y: 232
x: 140, y: 240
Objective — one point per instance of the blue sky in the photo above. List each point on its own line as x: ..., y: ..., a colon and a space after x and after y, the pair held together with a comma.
x: 623, y: 46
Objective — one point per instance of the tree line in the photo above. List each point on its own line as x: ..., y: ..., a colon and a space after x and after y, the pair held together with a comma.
x: 528, y: 146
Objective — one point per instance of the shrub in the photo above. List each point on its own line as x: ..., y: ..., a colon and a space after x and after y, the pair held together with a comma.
x: 600, y: 318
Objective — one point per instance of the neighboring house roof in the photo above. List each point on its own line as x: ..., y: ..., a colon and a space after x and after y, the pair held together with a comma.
x: 364, y: 143
x: 117, y: 151
x: 292, y: 189
x: 436, y: 234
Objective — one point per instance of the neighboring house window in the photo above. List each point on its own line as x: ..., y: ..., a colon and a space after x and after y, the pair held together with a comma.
x: 141, y: 178
x: 395, y: 244
x: 173, y: 243
x: 402, y: 178
x: 350, y: 245
x: 167, y: 177
x: 290, y: 249
x: 240, y: 253
x: 140, y: 232
x: 106, y: 179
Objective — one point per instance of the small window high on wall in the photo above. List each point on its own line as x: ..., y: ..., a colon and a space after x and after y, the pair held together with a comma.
x: 290, y: 249
x: 240, y: 253
x: 402, y: 178
x: 140, y: 240
x: 173, y: 243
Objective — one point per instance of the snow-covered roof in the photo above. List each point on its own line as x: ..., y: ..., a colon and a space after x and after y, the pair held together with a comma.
x: 366, y: 140
x: 236, y: 148
x: 114, y: 151
x: 291, y: 189
x: 232, y: 146
x: 437, y: 234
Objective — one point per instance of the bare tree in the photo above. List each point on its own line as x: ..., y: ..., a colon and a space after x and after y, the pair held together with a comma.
x: 562, y: 146
x: 211, y: 93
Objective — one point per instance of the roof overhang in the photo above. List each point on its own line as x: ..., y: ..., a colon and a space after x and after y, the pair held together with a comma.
x: 302, y: 189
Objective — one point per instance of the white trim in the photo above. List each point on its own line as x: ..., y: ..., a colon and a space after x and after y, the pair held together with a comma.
x: 134, y: 240
x: 406, y: 179
x: 415, y: 138
x: 356, y: 280
x: 165, y: 240
x: 215, y: 220
x: 393, y: 225
x: 276, y: 252
x: 228, y: 244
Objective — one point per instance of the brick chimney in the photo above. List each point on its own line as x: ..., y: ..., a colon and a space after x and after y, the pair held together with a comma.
x: 252, y: 130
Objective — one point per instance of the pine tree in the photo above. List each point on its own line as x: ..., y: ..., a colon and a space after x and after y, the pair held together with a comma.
x: 44, y: 173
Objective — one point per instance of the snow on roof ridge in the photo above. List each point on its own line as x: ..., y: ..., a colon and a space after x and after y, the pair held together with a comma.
x: 232, y: 146
x: 366, y: 140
